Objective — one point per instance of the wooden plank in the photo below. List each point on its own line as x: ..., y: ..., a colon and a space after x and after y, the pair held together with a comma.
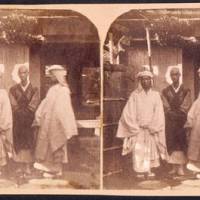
x: 115, y: 67
x: 113, y: 172
x: 114, y: 99
x: 110, y: 124
x: 113, y: 148
x: 88, y: 123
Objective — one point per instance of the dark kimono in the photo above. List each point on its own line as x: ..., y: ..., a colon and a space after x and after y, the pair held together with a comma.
x: 176, y: 106
x: 24, y: 105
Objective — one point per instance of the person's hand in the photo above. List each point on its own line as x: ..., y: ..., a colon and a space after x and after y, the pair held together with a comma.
x: 144, y: 126
x: 10, y: 155
x: 188, y: 131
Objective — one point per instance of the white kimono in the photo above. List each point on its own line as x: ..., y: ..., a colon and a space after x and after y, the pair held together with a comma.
x: 56, y: 121
x: 142, y: 125
x: 6, y: 136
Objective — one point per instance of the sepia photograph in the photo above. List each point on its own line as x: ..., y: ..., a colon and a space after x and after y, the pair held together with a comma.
x: 50, y: 100
x: 100, y: 99
x: 151, y: 101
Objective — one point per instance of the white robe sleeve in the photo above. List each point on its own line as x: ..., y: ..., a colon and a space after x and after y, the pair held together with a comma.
x: 194, y: 110
x: 6, y: 118
x: 5, y: 112
x: 128, y: 125
x: 64, y: 112
x: 158, y: 121
x: 38, y: 113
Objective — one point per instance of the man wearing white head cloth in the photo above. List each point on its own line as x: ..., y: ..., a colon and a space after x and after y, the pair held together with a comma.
x: 56, y: 122
x: 142, y: 126
x: 176, y: 101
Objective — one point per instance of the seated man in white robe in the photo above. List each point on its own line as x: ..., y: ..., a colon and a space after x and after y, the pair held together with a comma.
x: 142, y: 126
x: 56, y: 121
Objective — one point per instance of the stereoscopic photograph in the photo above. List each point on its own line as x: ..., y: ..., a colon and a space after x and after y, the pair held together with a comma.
x: 50, y: 107
x: 151, y: 101
x: 100, y: 99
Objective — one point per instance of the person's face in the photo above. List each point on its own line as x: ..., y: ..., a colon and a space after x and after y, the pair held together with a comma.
x: 146, y: 82
x: 23, y: 74
x: 175, y: 75
x: 53, y: 78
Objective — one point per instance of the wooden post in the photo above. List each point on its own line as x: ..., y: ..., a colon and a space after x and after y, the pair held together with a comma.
x: 111, y: 47
x: 149, y: 48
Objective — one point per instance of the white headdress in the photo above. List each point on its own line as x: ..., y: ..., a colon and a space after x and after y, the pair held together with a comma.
x: 59, y: 72
x: 144, y: 73
x: 55, y: 67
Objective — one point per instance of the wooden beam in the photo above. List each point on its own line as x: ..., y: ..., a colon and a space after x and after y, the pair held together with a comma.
x: 114, y: 99
x: 115, y: 67
x: 71, y: 39
x: 135, y: 20
x: 50, y: 17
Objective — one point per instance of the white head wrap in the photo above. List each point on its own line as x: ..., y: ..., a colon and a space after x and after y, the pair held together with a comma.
x: 175, y: 69
x: 144, y: 73
x: 55, y: 67
x: 59, y: 72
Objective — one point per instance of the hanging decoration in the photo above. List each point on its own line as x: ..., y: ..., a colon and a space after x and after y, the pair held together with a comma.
x: 20, y: 29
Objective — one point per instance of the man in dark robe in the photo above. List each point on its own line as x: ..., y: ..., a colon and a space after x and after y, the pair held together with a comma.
x: 24, y: 101
x: 176, y: 101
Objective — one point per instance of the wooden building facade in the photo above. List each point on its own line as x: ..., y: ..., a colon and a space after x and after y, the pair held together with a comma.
x: 120, y: 80
x: 71, y: 40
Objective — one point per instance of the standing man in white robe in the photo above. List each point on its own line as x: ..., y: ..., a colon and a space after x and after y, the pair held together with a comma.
x: 193, y: 126
x: 6, y: 134
x: 142, y: 126
x: 56, y: 123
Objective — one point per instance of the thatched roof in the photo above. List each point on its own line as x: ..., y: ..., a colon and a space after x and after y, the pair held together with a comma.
x: 183, y: 23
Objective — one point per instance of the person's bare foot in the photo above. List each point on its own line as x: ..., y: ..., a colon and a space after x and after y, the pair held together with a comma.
x: 151, y: 174
x: 139, y: 175
x: 48, y: 175
x: 28, y: 169
x: 173, y: 171
x: 192, y: 167
x: 180, y: 171
x: 197, y: 176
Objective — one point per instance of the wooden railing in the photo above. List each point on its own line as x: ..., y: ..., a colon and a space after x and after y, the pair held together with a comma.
x: 91, y: 123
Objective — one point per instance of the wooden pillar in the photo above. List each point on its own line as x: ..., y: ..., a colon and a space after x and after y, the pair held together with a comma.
x: 74, y: 80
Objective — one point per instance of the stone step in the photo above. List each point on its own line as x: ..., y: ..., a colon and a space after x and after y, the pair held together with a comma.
x: 47, y: 183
